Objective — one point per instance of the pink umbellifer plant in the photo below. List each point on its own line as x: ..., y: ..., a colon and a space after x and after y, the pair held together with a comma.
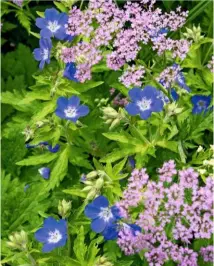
x: 111, y: 40
x: 176, y: 211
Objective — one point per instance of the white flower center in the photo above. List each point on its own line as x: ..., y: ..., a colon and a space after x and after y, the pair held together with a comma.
x: 105, y: 214
x: 144, y: 104
x: 45, y: 54
x: 41, y: 170
x: 54, y: 237
x: 70, y: 112
x: 53, y: 26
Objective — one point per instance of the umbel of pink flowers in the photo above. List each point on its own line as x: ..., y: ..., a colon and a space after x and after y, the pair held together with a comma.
x: 184, y: 205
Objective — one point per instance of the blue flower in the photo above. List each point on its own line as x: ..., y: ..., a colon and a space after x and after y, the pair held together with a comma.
x: 42, y: 54
x: 144, y: 102
x: 111, y: 232
x: 174, y: 95
x: 101, y: 214
x: 53, y: 234
x: 131, y: 161
x: 53, y: 149
x: 201, y: 104
x: 26, y: 187
x: 44, y: 172
x: 154, y: 34
x: 70, y: 71
x: 83, y: 178
x: 53, y: 24
x: 71, y: 109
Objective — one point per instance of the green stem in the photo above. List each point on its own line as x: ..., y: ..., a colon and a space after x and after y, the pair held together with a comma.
x: 66, y: 132
x: 30, y: 257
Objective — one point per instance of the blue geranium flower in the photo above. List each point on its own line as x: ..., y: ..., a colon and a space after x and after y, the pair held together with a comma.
x: 44, y: 172
x: 53, y: 24
x: 71, y: 109
x: 53, y: 234
x: 111, y: 232
x: 70, y: 71
x: 201, y: 104
x: 101, y: 214
x: 144, y: 102
x: 42, y: 54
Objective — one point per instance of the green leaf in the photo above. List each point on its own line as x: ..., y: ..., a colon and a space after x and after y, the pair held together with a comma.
x: 170, y: 145
x: 93, y: 250
x: 75, y: 192
x: 60, y: 169
x: 121, y: 153
x: 122, y: 137
x: 83, y: 87
x: 23, y: 19
x: 119, y: 167
x: 47, y: 109
x: 38, y: 159
x: 61, y: 7
x: 37, y: 35
x: 120, y: 87
x: 79, y: 246
x: 41, y: 14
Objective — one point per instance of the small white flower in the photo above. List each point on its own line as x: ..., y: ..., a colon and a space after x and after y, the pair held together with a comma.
x: 200, y: 148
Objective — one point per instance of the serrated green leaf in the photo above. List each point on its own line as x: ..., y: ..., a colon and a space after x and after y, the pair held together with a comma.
x: 119, y: 167
x: 47, y: 109
x: 80, y: 247
x: 38, y: 159
x: 61, y: 7
x: 122, y: 137
x: 170, y: 145
x: 23, y: 19
x: 60, y: 169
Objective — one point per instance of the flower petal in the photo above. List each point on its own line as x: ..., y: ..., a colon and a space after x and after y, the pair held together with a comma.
x: 98, y: 225
x: 132, y: 109
x: 83, y: 110
x: 74, y: 101
x: 47, y: 247
x: 42, y: 64
x: 145, y: 114
x: 100, y: 202
x: 157, y: 105
x: 60, y: 113
x: 41, y: 235
x: 135, y: 94
x: 62, y: 103
x: 50, y: 222
x: 62, y: 226
x: 51, y: 14
x: 60, y: 33
x: 41, y: 23
x: 37, y: 54
x: 110, y: 232
x: 46, y: 33
x: 91, y: 211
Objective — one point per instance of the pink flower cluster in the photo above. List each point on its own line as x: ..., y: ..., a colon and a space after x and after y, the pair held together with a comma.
x: 18, y: 2
x: 207, y: 253
x: 104, y: 24
x: 179, y: 211
x: 132, y: 76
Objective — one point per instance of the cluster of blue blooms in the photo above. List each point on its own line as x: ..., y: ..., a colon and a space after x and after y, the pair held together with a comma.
x: 105, y: 219
x: 53, y: 25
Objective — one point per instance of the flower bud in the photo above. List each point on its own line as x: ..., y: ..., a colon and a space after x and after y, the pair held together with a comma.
x: 91, y: 194
x: 99, y: 183
x: 200, y: 148
x: 87, y: 188
x: 64, y: 208
x: 102, y: 261
x: 39, y: 124
x: 18, y: 240
x: 91, y: 175
x: 109, y: 121
x: 172, y: 109
x: 110, y: 112
x: 202, y: 171
x: 115, y: 123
